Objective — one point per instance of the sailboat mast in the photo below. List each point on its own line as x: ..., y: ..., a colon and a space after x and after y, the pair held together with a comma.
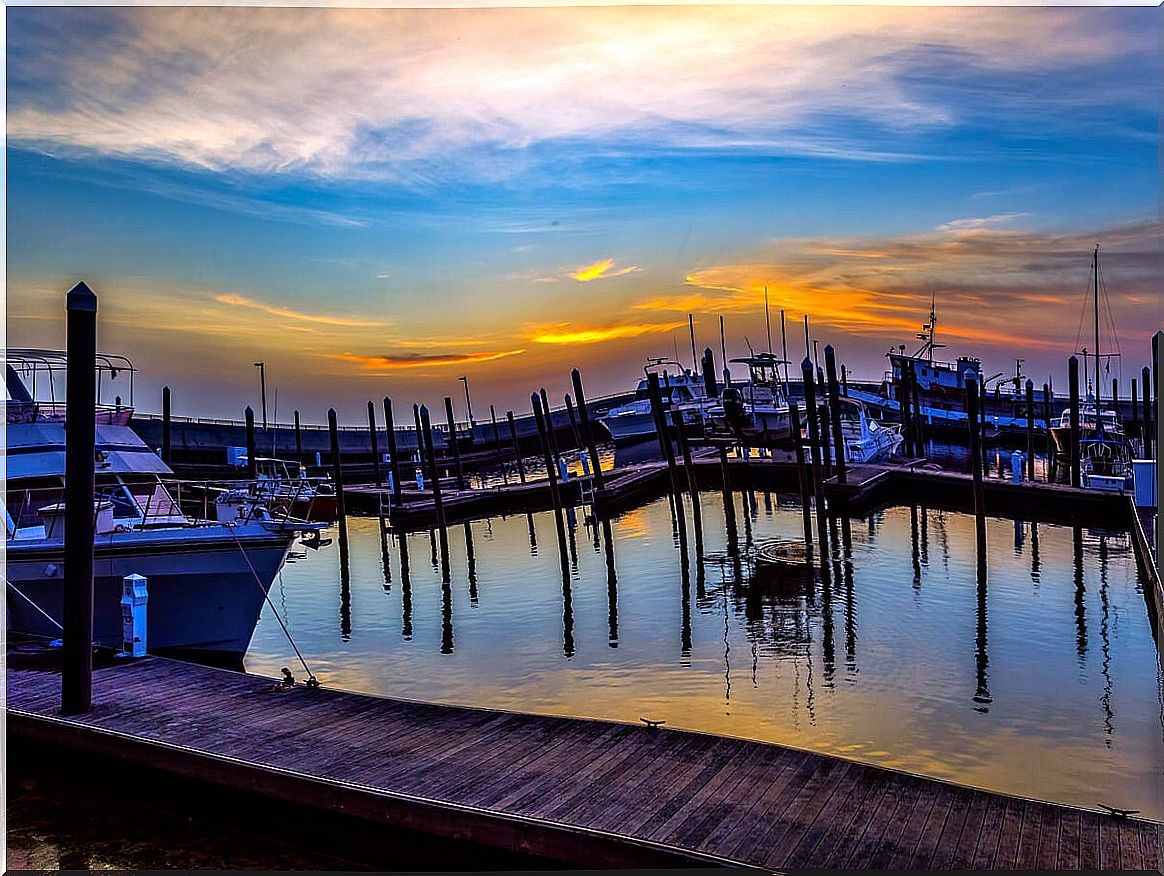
x: 1095, y: 270
x: 784, y: 351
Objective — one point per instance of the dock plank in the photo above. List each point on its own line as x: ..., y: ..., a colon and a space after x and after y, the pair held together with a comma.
x: 583, y: 791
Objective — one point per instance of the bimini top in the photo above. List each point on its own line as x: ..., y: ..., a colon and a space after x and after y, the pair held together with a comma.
x: 37, y: 450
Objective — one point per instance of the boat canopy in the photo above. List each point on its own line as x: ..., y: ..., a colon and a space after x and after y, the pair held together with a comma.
x: 37, y: 450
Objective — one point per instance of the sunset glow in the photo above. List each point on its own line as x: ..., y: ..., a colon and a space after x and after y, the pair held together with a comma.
x: 505, y: 194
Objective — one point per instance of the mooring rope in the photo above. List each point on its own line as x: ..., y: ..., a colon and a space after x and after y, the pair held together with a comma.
x: 312, y: 681
x: 28, y: 599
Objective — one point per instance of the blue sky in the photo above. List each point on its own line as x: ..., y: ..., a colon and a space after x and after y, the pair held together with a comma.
x: 378, y: 201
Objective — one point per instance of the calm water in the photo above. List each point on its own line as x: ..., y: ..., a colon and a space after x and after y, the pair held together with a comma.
x: 1043, y: 682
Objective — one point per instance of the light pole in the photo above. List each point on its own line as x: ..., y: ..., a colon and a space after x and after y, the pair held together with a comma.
x: 262, y: 366
x: 468, y: 401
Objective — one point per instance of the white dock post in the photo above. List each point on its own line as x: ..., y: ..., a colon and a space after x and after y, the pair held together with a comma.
x: 134, y: 599
x: 1016, y: 466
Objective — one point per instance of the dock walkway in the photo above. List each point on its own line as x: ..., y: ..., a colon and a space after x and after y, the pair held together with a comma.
x: 586, y: 792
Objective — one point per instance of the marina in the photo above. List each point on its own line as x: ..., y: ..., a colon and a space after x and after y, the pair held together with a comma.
x: 616, y: 437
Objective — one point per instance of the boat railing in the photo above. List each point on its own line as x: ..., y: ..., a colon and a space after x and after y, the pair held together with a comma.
x: 20, y: 412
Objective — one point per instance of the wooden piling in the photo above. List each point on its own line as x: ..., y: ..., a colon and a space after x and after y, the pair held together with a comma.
x: 919, y: 420
x: 844, y: 381
x: 668, y: 451
x: 692, y: 484
x: 904, y: 399
x: 1073, y: 389
x: 1135, y: 428
x: 453, y: 443
x: 252, y: 464
x: 1047, y: 440
x: 1146, y: 411
x: 709, y: 381
x: 814, y: 442
x: 555, y: 496
x: 438, y: 503
x: 80, y: 445
x: 835, y: 405
x: 972, y: 405
x: 982, y: 418
x: 375, y: 443
x: 573, y: 422
x: 337, y: 476
x: 587, y: 427
x: 393, y: 455
x: 826, y: 453
x: 498, y: 456
x: 298, y: 440
x: 516, y: 446
x: 804, y: 474
x: 551, y: 437
x: 166, y: 425
x: 1030, y: 387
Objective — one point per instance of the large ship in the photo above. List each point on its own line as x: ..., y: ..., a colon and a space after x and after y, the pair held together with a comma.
x: 207, y: 576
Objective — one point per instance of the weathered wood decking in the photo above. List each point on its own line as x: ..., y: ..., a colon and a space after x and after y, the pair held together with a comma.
x: 586, y: 792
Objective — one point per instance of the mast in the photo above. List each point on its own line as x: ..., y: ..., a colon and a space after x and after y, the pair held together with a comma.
x: 691, y: 329
x: 767, y: 319
x: 727, y: 374
x: 1095, y: 269
x: 784, y: 352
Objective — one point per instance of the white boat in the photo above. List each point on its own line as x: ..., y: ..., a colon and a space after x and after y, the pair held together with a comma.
x: 756, y: 412
x: 283, y: 487
x: 207, y: 579
x: 864, y: 439
x: 681, y: 390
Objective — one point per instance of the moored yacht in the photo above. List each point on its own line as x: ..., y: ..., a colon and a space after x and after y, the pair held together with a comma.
x: 757, y: 412
x: 681, y: 390
x: 207, y: 580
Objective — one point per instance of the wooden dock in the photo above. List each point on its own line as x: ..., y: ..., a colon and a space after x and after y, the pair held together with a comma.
x: 868, y: 488
x: 588, y: 793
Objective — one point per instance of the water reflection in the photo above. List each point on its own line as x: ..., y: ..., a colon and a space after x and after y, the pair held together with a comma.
x: 636, y: 627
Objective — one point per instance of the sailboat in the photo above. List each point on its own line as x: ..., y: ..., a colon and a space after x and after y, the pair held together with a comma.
x: 1105, y: 459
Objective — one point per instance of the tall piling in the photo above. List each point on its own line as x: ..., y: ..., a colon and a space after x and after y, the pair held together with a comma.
x: 453, y: 443
x: 814, y: 441
x: 1134, y: 431
x: 692, y: 482
x: 551, y: 436
x: 972, y: 405
x: 835, y: 406
x: 804, y: 475
x: 393, y: 455
x: 498, y: 456
x: 1073, y: 389
x: 516, y: 446
x: 166, y: 425
x: 375, y: 444
x: 668, y: 451
x: 555, y: 497
x: 587, y: 426
x: 298, y: 440
x: 1048, y: 441
x: 80, y: 444
x: 337, y: 476
x: 252, y: 463
x: 1146, y: 411
x: 1030, y: 387
x: 904, y: 399
x: 437, y: 500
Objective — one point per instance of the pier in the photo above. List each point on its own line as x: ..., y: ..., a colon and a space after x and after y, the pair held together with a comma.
x: 582, y: 792
x: 867, y: 487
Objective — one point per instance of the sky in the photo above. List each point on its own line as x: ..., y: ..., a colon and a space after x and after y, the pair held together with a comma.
x: 381, y: 201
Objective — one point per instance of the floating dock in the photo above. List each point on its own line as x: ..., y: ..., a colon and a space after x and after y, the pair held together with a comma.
x: 584, y: 792
x: 867, y: 488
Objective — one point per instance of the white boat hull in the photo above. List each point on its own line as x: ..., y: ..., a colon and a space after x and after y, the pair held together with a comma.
x: 203, y: 595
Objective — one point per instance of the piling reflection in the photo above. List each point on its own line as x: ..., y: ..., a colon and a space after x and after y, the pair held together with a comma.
x: 611, y: 586
x: 1105, y: 644
x: 446, y: 617
x: 345, y: 598
x: 471, y: 561
x: 981, y: 659
x: 915, y: 547
x: 1080, y: 594
x: 405, y: 588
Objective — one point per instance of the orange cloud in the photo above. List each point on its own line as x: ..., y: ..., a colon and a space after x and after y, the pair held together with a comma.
x: 384, y: 363
x: 286, y: 313
x: 563, y: 333
x: 601, y: 270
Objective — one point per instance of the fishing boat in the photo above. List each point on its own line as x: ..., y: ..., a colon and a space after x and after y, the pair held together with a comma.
x: 207, y: 578
x: 1105, y: 457
x: 941, y: 387
x: 681, y: 390
x: 757, y: 412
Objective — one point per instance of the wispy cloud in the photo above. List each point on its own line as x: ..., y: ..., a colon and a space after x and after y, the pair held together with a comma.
x: 603, y: 269
x: 394, y: 362
x: 568, y: 333
x: 287, y: 313
x: 419, y: 96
